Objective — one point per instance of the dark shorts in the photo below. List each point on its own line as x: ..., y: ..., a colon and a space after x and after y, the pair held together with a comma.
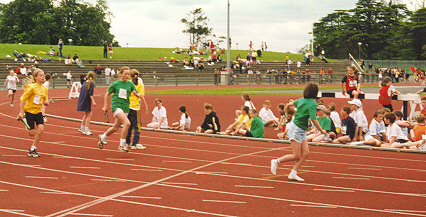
x: 401, y: 141
x: 34, y: 118
x: 248, y: 134
x: 350, y: 91
x: 389, y: 107
x: 14, y: 91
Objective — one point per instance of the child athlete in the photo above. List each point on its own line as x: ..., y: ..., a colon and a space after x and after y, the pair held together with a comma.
x: 10, y: 84
x: 34, y: 96
x: 120, y: 91
x: 306, y: 109
x: 85, y: 102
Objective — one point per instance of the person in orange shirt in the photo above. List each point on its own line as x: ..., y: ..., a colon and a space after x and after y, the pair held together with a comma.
x: 424, y: 106
x: 419, y: 129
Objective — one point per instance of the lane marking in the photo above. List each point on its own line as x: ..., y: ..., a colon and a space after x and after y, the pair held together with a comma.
x: 148, y: 170
x: 120, y: 159
x: 107, y: 180
x: 175, y: 161
x: 91, y: 214
x: 224, y: 201
x: 178, y: 183
x: 239, y: 164
x: 313, y: 206
x: 77, y: 167
x: 16, y: 212
x: 208, y: 172
x: 360, y: 168
x: 142, y: 197
x: 52, y: 192
x: 3, y: 190
x: 13, y: 155
x: 354, y: 178
x: 252, y: 186
x: 318, y: 189
x: 40, y: 177
x: 403, y: 210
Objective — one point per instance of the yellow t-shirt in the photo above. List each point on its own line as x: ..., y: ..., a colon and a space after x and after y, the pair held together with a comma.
x: 244, y: 119
x: 134, y: 100
x: 34, y: 96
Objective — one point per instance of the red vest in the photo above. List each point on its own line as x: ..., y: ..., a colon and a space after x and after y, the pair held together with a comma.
x: 384, y: 99
x: 351, y: 83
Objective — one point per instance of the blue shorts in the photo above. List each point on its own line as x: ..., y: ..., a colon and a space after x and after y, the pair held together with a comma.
x: 296, y: 133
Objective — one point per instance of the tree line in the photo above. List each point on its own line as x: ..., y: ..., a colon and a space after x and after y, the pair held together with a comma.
x: 45, y: 21
x: 376, y: 29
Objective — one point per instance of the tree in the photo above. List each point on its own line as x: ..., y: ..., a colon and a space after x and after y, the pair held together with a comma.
x: 196, y: 25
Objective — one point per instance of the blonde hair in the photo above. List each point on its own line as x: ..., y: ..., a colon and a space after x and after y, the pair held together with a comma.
x: 267, y: 102
x: 90, y: 77
x: 31, y: 79
x: 122, y: 69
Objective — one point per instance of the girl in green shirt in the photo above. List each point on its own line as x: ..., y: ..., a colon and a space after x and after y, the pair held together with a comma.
x: 306, y: 109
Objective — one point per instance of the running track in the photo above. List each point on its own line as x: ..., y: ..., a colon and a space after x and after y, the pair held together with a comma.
x: 182, y: 175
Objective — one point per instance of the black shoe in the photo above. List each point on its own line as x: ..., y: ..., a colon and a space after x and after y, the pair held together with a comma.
x: 33, y: 153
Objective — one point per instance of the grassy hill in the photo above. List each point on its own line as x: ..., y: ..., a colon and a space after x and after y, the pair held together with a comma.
x: 124, y: 53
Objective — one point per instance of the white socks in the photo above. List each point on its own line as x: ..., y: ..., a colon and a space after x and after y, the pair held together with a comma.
x: 33, y: 148
x: 122, y: 141
x: 293, y: 176
x: 103, y: 137
x: 82, y: 127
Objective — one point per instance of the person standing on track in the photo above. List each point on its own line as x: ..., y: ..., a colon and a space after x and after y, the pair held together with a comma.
x: 10, y: 84
x: 386, y: 93
x: 85, y: 102
x: 306, y: 109
x: 134, y: 112
x: 34, y: 96
x: 351, y: 83
x: 120, y: 91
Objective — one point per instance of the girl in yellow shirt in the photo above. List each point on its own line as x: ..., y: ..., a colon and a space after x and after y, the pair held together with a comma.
x: 34, y: 96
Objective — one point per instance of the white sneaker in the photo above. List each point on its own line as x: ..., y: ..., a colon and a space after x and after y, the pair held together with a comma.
x: 123, y: 148
x: 11, y: 105
x: 138, y: 147
x: 87, y: 132
x: 274, y: 166
x: 294, y: 176
x: 44, y: 119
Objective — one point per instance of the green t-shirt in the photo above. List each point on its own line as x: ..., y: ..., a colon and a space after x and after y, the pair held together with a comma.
x: 257, y: 128
x: 121, y: 91
x: 325, y: 122
x: 306, y: 108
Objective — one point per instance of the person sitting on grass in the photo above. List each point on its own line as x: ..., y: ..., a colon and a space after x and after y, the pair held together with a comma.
x: 267, y: 115
x: 211, y: 123
x: 419, y: 128
x: 243, y: 118
x: 348, y: 127
x: 185, y: 121
x: 325, y: 123
x: 359, y: 118
x: 396, y: 138
x: 159, y: 119
x: 256, y: 129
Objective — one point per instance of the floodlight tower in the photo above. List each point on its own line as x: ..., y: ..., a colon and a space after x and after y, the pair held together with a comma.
x: 228, y: 48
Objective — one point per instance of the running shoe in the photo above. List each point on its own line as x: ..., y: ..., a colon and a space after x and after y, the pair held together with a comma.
x: 11, y: 105
x: 294, y: 176
x: 33, y: 153
x: 138, y: 147
x: 123, y: 148
x: 87, y: 132
x: 100, y: 142
x: 274, y: 166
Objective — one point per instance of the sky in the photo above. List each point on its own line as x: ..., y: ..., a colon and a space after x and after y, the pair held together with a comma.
x: 283, y: 25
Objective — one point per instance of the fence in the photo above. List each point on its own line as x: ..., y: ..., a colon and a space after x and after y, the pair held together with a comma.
x: 405, y: 64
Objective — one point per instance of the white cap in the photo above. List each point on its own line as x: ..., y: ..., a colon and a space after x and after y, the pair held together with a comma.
x: 356, y: 102
x: 322, y: 108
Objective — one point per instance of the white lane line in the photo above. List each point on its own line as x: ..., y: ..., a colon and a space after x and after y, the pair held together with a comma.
x: 175, y: 161
x: 13, y: 155
x: 313, y: 206
x: 3, y: 190
x: 90, y: 214
x: 318, y: 189
x: 107, y: 180
x: 363, y: 168
x: 142, y: 197
x: 148, y: 170
x: 178, y: 183
x: 354, y: 178
x: 13, y: 210
x: 16, y: 212
x: 403, y: 210
x: 208, y: 172
x: 77, y: 167
x: 240, y: 164
x: 224, y: 201
x: 120, y: 159
x: 252, y: 186
x: 40, y: 177
x: 52, y: 192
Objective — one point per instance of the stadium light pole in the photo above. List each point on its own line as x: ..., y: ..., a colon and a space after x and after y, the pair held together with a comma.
x: 228, y: 53
x: 359, y: 50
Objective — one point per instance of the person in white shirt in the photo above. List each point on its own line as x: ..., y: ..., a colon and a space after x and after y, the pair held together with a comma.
x: 267, y: 115
x: 107, y: 75
x: 159, y: 119
x: 69, y: 77
x: 247, y: 102
x: 299, y: 64
x: 185, y: 121
x: 335, y: 117
x: 359, y: 118
x: 376, y: 135
x: 24, y: 71
x: 10, y: 84
x: 395, y: 136
x: 48, y: 76
x: 112, y: 74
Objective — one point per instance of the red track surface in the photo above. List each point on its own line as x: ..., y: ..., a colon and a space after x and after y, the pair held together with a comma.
x: 181, y: 175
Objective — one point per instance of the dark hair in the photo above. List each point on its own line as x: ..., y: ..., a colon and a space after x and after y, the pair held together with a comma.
x: 289, y: 115
x: 208, y: 106
x: 385, y: 81
x: 424, y: 98
x: 158, y: 100
x: 420, y: 118
x: 353, y: 69
x: 48, y: 76
x: 246, y: 97
x: 346, y: 109
x: 391, y: 117
x: 311, y: 91
x: 252, y: 110
x: 183, y: 110
x: 135, y: 75
x: 332, y: 107
x: 398, y: 114
x: 281, y: 106
x: 377, y: 113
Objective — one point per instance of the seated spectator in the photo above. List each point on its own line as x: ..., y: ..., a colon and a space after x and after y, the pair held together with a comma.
x: 79, y: 63
x: 75, y: 57
x: 404, y: 125
x: 423, y: 112
x: 395, y: 136
x: 359, y: 118
x: 325, y: 123
x: 267, y: 115
x: 348, y: 127
x: 241, y: 120
x: 376, y: 132
x: 68, y: 60
x: 185, y: 121
x: 98, y: 70
x: 256, y: 129
x: 159, y: 119
x: 419, y: 128
x: 334, y: 116
x: 286, y: 121
x: 247, y: 102
x: 211, y: 123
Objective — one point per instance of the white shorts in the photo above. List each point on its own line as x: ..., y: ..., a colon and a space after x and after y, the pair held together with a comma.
x: 370, y: 137
x: 119, y: 110
x: 110, y: 51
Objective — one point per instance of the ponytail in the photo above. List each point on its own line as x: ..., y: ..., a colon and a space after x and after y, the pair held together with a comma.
x: 90, y: 77
x: 135, y: 76
x: 183, y: 110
